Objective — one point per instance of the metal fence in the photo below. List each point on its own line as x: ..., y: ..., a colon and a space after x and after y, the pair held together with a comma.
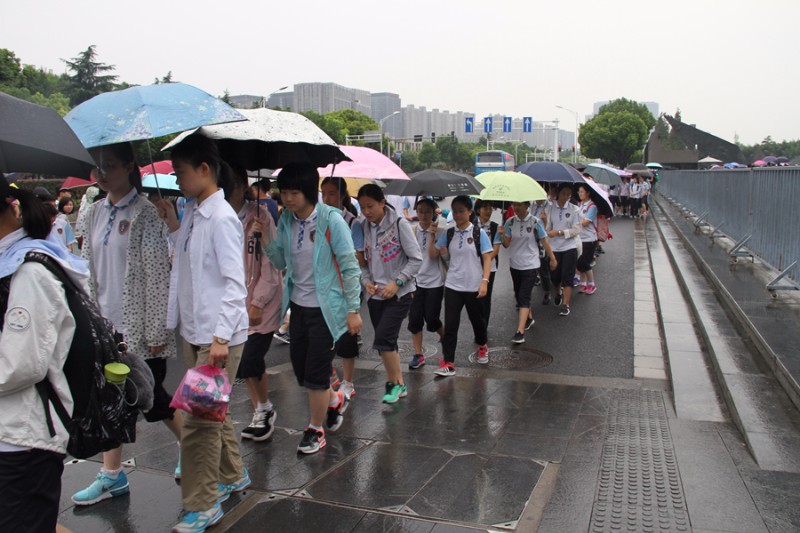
x: 762, y: 203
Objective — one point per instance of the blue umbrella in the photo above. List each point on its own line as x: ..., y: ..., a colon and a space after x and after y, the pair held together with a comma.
x: 548, y: 171
x: 166, y: 184
x: 146, y: 112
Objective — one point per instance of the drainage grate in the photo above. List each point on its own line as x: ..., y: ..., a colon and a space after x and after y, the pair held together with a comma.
x: 639, y: 487
x: 516, y: 358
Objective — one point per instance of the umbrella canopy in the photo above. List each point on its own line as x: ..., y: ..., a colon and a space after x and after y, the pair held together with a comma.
x: 639, y: 169
x: 600, y: 199
x: 709, y: 159
x: 270, y: 139
x: 435, y: 182
x: 165, y: 184
x: 72, y: 182
x: 759, y: 163
x: 733, y: 164
x: 654, y: 165
x: 364, y: 163
x: 604, y: 174
x: 507, y: 186
x: 548, y: 171
x: 781, y: 159
x: 36, y: 139
x: 146, y: 112
x: 161, y: 167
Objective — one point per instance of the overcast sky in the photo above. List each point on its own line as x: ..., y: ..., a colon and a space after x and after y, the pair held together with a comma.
x: 731, y: 66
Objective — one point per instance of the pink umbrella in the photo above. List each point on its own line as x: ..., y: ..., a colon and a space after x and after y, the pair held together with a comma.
x: 600, y: 198
x: 759, y: 163
x: 366, y: 164
x: 72, y: 182
x: 161, y: 167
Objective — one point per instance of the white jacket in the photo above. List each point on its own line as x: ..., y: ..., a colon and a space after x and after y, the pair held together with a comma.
x: 219, y: 293
x: 34, y: 343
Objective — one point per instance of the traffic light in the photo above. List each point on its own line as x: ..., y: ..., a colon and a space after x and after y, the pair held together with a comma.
x: 433, y: 137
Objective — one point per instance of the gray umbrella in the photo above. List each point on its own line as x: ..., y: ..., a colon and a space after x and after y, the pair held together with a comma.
x: 435, y: 182
x: 36, y: 139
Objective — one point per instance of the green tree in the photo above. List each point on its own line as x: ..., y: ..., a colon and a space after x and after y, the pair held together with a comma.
x: 89, y: 77
x: 429, y: 154
x: 165, y: 79
x: 9, y: 67
x: 614, y: 136
x: 623, y: 104
x: 226, y: 97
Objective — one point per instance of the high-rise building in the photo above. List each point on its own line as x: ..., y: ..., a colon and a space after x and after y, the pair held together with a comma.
x: 284, y: 100
x: 324, y: 98
x: 383, y: 105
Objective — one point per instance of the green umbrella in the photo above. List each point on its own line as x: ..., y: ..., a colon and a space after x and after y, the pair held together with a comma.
x: 510, y: 187
x: 654, y: 165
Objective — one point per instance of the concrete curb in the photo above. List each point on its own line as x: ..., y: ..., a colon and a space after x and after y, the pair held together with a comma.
x: 787, y: 381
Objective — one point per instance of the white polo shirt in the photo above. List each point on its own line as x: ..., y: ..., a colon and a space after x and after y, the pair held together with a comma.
x: 523, y: 250
x: 110, y: 239
x: 563, y: 218
x: 466, y: 268
x: 588, y: 211
x: 429, y: 275
x: 304, y: 233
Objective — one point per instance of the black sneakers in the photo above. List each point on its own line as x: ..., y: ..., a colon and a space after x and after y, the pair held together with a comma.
x: 313, y: 441
x: 335, y: 417
x: 558, y: 299
x: 261, y: 427
x: 564, y: 310
x: 518, y: 338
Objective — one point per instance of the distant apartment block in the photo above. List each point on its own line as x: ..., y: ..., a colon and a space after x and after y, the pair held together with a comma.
x: 383, y: 105
x: 324, y: 98
x: 284, y: 100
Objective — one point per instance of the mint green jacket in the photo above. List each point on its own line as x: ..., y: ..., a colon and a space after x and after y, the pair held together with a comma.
x: 336, y: 296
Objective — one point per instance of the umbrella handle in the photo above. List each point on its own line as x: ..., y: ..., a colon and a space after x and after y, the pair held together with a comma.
x: 153, y: 167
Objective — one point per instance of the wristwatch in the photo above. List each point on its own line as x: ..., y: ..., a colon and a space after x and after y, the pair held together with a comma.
x: 399, y: 282
x: 223, y: 342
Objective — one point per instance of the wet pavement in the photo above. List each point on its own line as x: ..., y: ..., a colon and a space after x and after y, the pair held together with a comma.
x: 564, y: 433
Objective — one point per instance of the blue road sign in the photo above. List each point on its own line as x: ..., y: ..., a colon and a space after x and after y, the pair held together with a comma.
x: 469, y: 125
x: 487, y: 124
x: 527, y: 124
x: 507, y: 123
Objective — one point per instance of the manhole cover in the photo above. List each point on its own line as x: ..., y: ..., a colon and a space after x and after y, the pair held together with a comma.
x: 516, y: 358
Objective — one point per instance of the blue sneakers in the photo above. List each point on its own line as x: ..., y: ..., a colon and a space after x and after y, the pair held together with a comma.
x: 225, y: 491
x: 103, y: 488
x: 197, y: 522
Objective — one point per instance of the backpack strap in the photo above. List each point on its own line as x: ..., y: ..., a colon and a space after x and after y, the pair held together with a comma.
x: 476, y: 238
x: 450, y: 233
x: 44, y: 388
x: 333, y: 255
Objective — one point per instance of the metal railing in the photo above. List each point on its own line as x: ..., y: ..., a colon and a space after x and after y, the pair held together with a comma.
x: 759, y: 208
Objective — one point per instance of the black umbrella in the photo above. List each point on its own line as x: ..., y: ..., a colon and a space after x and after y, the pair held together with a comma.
x: 551, y: 172
x: 36, y: 139
x: 640, y: 169
x: 435, y: 182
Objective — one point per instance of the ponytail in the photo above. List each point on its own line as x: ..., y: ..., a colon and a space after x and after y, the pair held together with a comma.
x: 226, y: 179
x: 36, y: 221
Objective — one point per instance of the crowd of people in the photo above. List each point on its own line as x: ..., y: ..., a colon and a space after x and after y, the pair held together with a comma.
x: 228, y: 275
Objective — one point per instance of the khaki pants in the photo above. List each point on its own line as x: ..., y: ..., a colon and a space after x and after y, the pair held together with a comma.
x: 209, y: 450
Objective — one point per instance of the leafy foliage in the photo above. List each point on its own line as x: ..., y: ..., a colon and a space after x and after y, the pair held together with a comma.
x: 623, y: 104
x: 89, y: 77
x: 614, y: 136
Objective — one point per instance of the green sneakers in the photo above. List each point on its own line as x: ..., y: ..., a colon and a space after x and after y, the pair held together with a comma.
x: 394, y: 391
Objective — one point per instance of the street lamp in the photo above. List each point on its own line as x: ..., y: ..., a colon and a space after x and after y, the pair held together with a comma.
x: 266, y: 98
x: 380, y: 125
x: 575, y: 149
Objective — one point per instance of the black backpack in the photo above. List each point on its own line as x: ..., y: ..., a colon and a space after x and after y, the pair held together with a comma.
x: 102, y: 418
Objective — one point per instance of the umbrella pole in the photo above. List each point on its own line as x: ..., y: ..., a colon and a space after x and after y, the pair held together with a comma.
x: 153, y: 167
x: 257, y: 234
